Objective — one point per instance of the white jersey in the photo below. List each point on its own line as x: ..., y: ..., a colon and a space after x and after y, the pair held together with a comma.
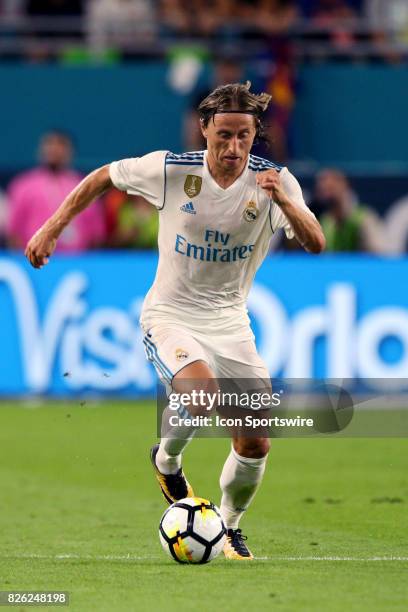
x: 211, y: 240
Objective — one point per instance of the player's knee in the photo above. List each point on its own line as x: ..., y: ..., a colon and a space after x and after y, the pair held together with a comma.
x: 253, y: 448
x: 207, y: 392
x: 199, y: 387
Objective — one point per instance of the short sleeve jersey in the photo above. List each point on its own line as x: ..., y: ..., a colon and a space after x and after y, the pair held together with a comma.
x: 211, y: 240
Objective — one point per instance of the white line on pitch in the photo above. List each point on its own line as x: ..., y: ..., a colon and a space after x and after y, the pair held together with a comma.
x: 77, y: 557
x: 331, y: 559
x: 129, y: 557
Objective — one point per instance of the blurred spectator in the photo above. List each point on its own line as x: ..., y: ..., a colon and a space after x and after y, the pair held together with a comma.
x: 272, y: 16
x: 347, y: 224
x: 225, y: 70
x: 207, y: 17
x: 11, y: 8
x: 34, y: 195
x: 225, y: 23
x: 332, y: 20
x: 198, y: 17
x: 281, y: 84
x: 387, y: 14
x: 327, y: 12
x: 388, y: 20
x: 173, y: 17
x: 274, y: 20
x: 120, y: 23
x: 132, y: 221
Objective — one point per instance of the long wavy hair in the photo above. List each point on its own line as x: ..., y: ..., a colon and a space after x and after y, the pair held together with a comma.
x: 235, y: 97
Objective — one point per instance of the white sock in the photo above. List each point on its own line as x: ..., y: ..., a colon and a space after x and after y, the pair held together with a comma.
x: 172, y: 444
x: 239, y: 481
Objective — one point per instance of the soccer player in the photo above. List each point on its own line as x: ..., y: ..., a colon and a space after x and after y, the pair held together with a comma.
x: 218, y: 210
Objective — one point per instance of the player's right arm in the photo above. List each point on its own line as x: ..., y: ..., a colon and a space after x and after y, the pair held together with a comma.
x: 42, y: 244
x: 144, y: 176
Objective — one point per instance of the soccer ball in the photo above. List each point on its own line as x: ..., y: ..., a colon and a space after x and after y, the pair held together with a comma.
x: 192, y: 530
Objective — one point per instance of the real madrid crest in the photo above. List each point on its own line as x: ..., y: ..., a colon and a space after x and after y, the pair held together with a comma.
x: 192, y: 185
x: 181, y: 354
x: 251, y: 212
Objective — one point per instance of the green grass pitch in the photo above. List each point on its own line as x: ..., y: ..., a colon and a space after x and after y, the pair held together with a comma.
x: 79, y: 510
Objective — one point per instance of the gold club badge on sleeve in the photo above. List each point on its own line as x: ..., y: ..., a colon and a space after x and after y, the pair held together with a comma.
x: 192, y: 185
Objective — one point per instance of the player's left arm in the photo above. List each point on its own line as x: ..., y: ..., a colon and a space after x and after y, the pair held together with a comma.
x: 286, y: 193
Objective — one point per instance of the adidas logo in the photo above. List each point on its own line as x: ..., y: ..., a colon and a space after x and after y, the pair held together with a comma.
x: 188, y: 208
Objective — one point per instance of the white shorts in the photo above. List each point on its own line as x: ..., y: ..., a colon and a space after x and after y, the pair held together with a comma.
x: 171, y: 346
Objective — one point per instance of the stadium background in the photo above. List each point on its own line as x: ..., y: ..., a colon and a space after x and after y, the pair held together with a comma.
x: 122, y: 78
x: 79, y: 506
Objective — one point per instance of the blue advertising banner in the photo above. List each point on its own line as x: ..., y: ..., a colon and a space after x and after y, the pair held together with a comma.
x: 72, y: 327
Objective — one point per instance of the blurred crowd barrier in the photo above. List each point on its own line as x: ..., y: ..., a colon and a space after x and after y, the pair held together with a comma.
x: 110, y: 30
x: 72, y: 328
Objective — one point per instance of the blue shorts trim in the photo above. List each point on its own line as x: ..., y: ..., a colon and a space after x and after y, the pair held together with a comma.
x: 153, y: 355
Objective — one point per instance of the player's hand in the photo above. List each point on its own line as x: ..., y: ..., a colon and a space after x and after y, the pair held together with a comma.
x: 270, y: 182
x: 40, y: 248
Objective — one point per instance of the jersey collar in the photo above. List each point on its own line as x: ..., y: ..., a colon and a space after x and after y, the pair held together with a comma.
x: 215, y: 187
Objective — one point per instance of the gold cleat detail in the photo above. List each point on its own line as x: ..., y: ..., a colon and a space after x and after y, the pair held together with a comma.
x: 173, y: 486
x: 234, y: 548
